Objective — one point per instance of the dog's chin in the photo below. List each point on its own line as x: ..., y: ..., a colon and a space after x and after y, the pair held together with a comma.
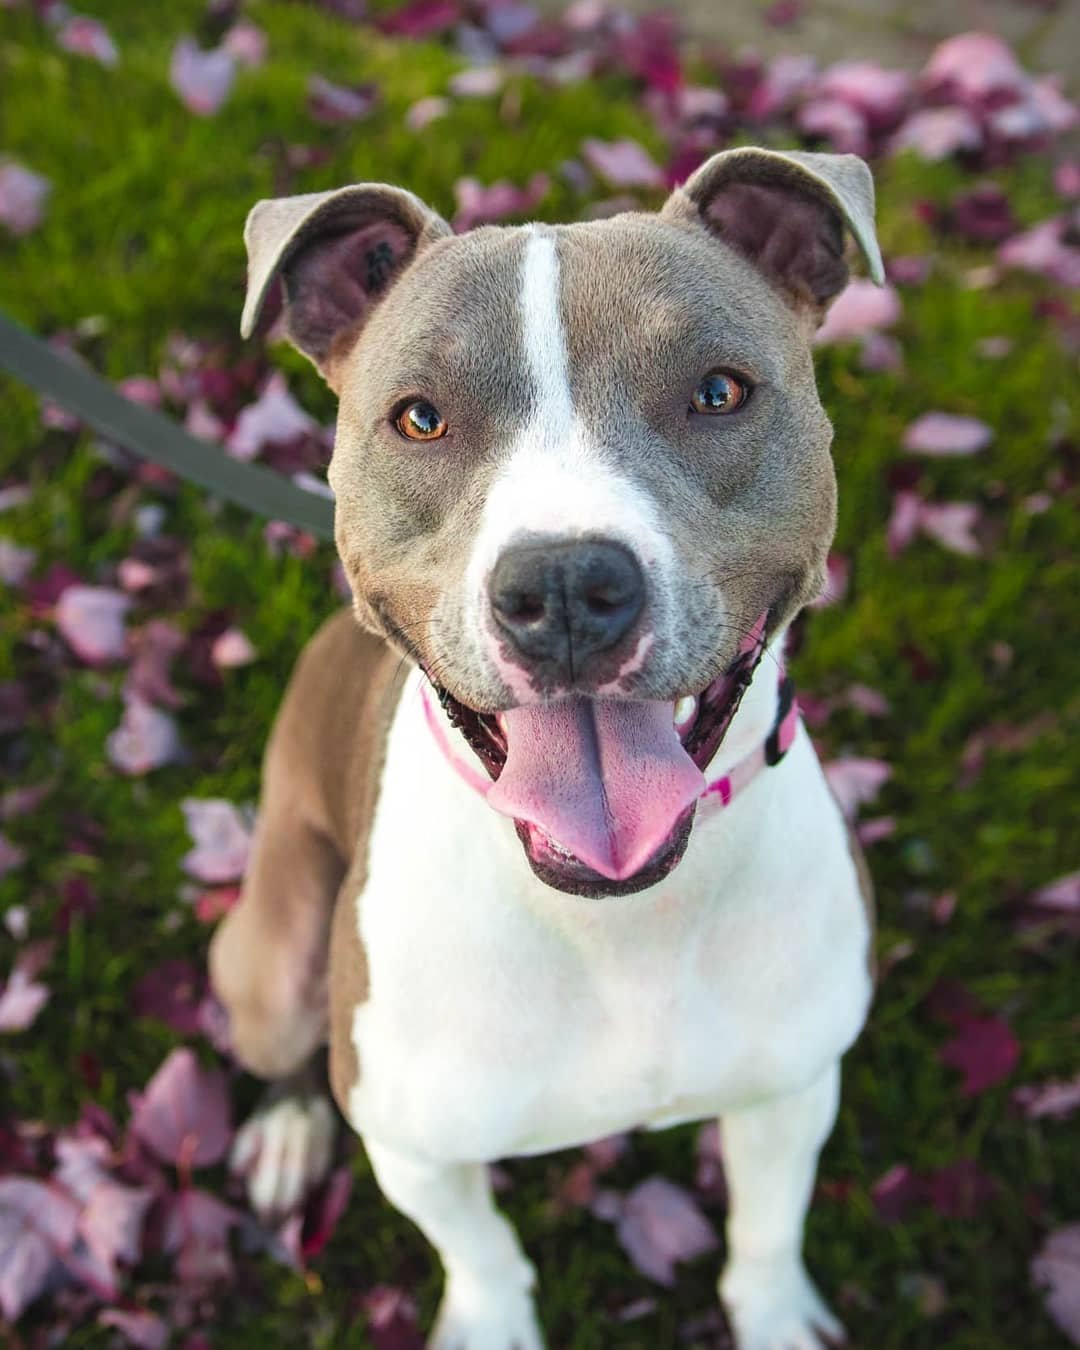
x: 560, y: 870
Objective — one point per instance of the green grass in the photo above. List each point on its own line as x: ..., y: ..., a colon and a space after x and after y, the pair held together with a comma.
x: 144, y: 233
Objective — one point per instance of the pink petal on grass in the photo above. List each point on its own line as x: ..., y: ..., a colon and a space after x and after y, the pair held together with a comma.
x: 275, y: 418
x: 661, y: 1224
x: 21, y: 999
x: 1054, y: 1100
x: 37, y: 1223
x: 183, y: 1115
x: 232, y: 648
x: 156, y: 646
x: 622, y: 163
x: 984, y: 1050
x: 143, y: 1330
x: 856, y: 782
x: 1062, y: 894
x: 22, y: 197
x: 11, y: 856
x: 222, y: 840
x: 860, y: 308
x: 146, y: 739
x: 91, y: 621
x: 938, y: 433
x: 1044, y: 250
x: 952, y: 525
x: 332, y: 103
x: 87, y: 37
x: 485, y: 204
x: 203, y: 79
x: 1056, y: 1269
x: 247, y: 43
x: 936, y: 133
x: 836, y: 121
x: 974, y: 65
x: 197, y: 1228
x: 876, y: 91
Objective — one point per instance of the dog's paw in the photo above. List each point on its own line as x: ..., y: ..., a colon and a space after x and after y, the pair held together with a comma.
x: 284, y: 1151
x: 777, y: 1309
x: 493, y: 1318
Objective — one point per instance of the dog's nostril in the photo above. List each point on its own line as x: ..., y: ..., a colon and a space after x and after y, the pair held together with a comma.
x: 603, y: 602
x: 527, y: 608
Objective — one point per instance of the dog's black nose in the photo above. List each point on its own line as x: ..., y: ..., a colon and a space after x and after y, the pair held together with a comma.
x: 564, y: 602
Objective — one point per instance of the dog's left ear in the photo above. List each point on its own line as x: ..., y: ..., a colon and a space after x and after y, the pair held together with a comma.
x: 339, y: 255
x: 785, y: 212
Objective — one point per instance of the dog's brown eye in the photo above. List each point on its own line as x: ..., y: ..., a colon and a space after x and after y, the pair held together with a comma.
x: 420, y: 422
x: 719, y: 392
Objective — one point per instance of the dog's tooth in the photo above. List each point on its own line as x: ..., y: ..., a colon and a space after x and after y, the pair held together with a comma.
x: 685, y: 711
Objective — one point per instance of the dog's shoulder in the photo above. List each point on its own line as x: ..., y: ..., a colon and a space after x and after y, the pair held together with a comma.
x: 329, y: 738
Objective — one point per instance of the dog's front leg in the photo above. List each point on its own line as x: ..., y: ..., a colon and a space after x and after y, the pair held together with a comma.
x: 487, y: 1303
x: 770, y: 1156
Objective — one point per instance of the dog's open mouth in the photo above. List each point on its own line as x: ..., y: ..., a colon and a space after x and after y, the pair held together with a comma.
x: 602, y: 792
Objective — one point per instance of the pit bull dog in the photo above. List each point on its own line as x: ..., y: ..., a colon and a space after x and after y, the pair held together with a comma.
x: 544, y: 852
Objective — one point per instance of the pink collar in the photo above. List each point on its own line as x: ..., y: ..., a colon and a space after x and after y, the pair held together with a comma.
x: 718, y: 794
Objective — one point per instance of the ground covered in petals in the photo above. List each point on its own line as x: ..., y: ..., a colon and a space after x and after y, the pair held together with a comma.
x: 146, y: 633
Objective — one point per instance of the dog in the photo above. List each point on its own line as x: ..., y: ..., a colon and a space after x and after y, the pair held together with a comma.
x: 543, y: 851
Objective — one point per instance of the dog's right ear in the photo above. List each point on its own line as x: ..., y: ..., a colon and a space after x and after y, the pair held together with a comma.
x: 338, y: 254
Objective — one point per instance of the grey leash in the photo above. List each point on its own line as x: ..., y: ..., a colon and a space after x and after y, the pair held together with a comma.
x: 158, y: 438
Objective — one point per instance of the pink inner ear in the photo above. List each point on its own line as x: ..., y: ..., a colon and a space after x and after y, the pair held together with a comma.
x: 793, y: 238
x: 333, y: 283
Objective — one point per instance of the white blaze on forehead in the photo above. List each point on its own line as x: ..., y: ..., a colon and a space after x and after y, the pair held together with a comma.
x: 553, y: 478
x: 545, y: 346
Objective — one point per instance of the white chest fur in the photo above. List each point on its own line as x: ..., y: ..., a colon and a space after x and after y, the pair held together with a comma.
x: 504, y: 1017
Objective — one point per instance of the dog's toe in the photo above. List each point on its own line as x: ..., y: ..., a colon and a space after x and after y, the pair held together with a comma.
x: 778, y: 1310
x: 284, y: 1151
x: 505, y: 1320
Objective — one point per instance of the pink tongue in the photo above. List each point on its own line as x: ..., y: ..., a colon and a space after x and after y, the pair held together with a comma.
x: 605, y: 779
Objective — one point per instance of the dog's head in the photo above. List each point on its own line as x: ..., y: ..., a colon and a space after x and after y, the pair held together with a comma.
x: 581, y: 472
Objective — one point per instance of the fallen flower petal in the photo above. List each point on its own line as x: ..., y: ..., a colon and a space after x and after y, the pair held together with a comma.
x: 484, y: 205
x: 21, y: 999
x: 1043, y: 249
x: 861, y: 307
x: 232, y: 648
x: 936, y: 133
x: 985, y: 1051
x: 247, y: 43
x: 622, y: 163
x: 203, y: 79
x: 332, y: 103
x: 146, y: 739
x: 275, y: 418
x: 1061, y: 894
x: 183, y: 1115
x: 87, y: 37
x: 661, y: 1224
x: 938, y: 433
x: 974, y: 65
x: 22, y: 198
x: 1056, y: 1269
x: 37, y: 1223
x: 11, y: 856
x: 91, y: 621
x: 855, y: 782
x: 952, y: 524
x: 222, y: 840
x: 144, y: 1330
x: 1054, y: 1100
